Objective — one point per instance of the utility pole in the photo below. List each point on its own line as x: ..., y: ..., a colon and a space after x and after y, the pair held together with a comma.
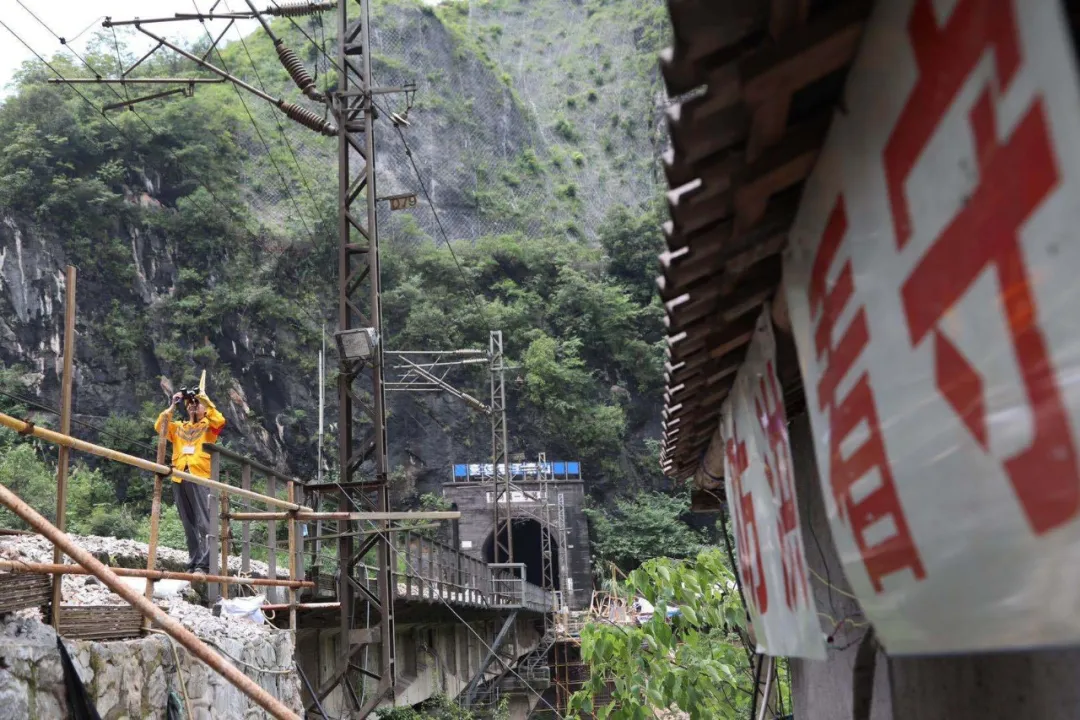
x: 358, y: 262
x: 503, y: 519
x: 360, y: 382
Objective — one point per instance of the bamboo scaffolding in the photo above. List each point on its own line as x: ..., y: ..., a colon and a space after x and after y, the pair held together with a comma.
x: 224, y: 533
x: 155, y: 507
x: 307, y: 514
x: 17, y: 566
x: 25, y: 428
x: 65, y: 427
x: 302, y: 606
x: 170, y: 625
x: 292, y: 561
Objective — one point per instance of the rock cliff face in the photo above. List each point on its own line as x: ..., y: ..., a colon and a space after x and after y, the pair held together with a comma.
x: 533, y: 116
x: 133, y: 679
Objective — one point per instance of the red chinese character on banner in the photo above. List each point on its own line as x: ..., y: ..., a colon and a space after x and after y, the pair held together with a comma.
x: 750, y: 565
x: 876, y: 517
x: 769, y: 404
x: 1016, y: 175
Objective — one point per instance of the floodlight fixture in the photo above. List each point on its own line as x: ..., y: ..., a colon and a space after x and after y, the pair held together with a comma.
x: 358, y: 344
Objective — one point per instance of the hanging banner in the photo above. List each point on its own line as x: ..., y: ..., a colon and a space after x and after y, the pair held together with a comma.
x: 931, y: 277
x: 760, y: 485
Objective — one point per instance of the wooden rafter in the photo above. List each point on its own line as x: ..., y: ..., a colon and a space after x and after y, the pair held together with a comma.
x: 735, y: 168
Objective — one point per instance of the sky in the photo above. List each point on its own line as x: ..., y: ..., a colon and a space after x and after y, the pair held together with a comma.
x: 71, y: 18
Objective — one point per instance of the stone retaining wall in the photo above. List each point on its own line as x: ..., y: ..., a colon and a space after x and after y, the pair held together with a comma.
x: 132, y: 679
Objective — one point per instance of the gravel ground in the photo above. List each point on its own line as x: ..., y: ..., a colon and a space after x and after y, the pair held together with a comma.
x: 124, y: 553
x: 171, y: 596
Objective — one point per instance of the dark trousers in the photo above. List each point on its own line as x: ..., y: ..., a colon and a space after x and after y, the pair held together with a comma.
x: 193, y: 504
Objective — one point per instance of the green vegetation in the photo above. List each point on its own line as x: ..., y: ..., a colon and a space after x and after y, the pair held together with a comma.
x: 566, y: 130
x: 243, y: 299
x: 697, y: 661
x: 441, y: 708
x: 646, y: 526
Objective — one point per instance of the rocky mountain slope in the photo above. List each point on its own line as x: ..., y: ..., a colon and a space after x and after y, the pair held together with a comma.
x: 204, y: 233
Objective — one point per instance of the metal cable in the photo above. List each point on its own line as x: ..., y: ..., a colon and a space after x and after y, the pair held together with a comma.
x: 258, y: 132
x: 309, y: 38
x: 207, y: 214
x: 90, y: 426
x: 172, y: 155
x: 438, y: 222
x: 119, y: 62
x: 281, y: 128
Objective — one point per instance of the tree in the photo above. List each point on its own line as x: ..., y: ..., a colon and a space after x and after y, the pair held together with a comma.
x: 693, y: 661
x: 648, y: 525
x: 632, y: 243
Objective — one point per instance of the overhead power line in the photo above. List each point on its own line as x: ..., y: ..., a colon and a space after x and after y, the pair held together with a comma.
x: 281, y: 128
x: 258, y: 132
x: 198, y: 179
x: 90, y: 426
x: 442, y: 230
x: 206, y: 213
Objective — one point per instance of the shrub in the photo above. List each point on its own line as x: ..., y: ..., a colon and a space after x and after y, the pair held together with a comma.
x: 565, y: 130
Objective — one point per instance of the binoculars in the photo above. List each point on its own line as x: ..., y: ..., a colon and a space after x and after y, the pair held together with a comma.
x: 187, y: 395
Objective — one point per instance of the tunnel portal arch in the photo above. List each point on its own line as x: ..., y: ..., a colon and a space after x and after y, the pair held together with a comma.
x: 528, y: 549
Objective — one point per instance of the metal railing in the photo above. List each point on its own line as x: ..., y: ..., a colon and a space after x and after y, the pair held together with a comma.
x: 232, y: 468
x: 427, y: 570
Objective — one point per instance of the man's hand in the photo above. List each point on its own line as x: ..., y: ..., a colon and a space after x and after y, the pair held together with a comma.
x: 176, y: 398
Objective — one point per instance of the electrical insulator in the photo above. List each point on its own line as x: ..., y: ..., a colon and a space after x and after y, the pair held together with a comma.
x: 296, y: 9
x: 297, y: 71
x: 308, y: 119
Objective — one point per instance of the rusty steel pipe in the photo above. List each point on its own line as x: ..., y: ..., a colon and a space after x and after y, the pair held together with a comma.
x: 25, y: 428
x: 170, y: 625
x: 17, y: 566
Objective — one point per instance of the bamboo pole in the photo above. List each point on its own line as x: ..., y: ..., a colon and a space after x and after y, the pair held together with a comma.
x: 223, y: 540
x: 271, y: 539
x: 245, y: 528
x: 65, y: 427
x: 292, y: 562
x: 170, y: 625
x: 17, y: 566
x: 302, y: 606
x: 310, y: 515
x: 155, y: 507
x: 25, y: 428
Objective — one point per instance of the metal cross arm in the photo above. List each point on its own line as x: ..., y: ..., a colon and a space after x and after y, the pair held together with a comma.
x: 284, y: 9
x: 294, y: 112
x: 136, y: 81
x: 439, y: 382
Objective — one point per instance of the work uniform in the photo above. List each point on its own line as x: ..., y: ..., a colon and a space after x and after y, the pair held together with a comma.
x: 189, y: 455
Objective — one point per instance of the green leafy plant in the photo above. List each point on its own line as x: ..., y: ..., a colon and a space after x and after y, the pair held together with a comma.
x: 693, y: 661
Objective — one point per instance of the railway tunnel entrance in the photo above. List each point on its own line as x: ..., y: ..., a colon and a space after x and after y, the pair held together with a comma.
x: 528, y: 549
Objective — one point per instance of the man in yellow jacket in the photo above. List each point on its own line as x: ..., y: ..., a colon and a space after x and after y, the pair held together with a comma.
x: 203, y: 425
